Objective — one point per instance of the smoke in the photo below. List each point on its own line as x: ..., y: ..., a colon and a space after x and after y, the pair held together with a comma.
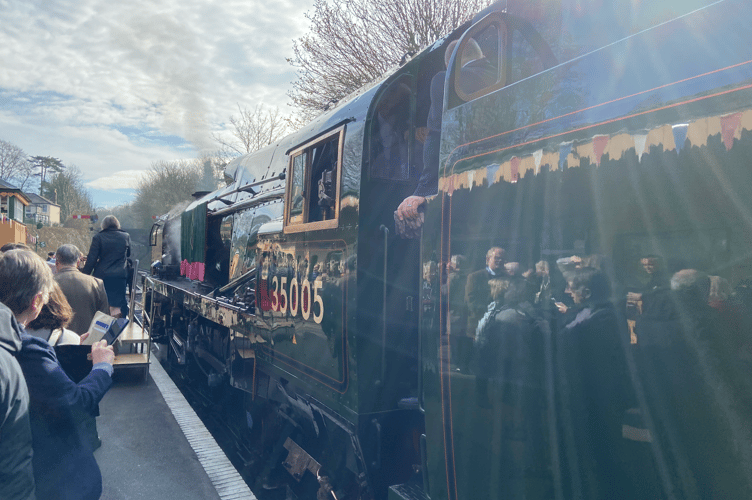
x: 171, y: 234
x: 174, y: 85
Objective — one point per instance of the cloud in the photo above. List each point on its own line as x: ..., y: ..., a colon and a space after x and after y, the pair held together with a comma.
x: 113, y: 86
x: 124, y: 179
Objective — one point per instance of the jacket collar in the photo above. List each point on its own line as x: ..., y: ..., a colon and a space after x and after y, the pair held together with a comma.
x: 10, y: 331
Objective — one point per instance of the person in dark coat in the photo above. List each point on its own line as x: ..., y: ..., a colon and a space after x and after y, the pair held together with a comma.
x: 700, y: 403
x: 477, y: 289
x: 16, y: 476
x: 594, y: 392
x: 63, y: 462
x: 107, y: 259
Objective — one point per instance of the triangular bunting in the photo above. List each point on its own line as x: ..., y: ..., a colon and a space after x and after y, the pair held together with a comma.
x: 564, y: 149
x: 639, y: 144
x: 599, y: 146
x: 680, y: 135
x: 491, y: 173
x: 729, y: 126
x: 450, y: 184
x: 538, y: 155
x: 515, y: 165
x: 471, y: 178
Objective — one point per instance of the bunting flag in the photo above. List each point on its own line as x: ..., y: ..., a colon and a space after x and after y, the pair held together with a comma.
x: 697, y: 133
x: 450, y: 185
x: 599, y: 146
x: 491, y: 173
x: 564, y: 149
x: 537, y: 156
x: 515, y: 168
x: 639, y: 145
x: 192, y: 270
x: 729, y: 126
x: 680, y: 135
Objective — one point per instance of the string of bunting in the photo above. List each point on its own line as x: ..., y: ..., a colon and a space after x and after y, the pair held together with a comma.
x: 670, y: 137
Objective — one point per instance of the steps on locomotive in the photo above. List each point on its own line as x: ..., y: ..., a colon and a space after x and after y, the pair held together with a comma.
x: 133, y: 345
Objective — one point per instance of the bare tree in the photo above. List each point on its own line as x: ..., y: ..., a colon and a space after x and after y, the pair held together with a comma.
x: 25, y: 177
x: 14, y: 165
x: 166, y: 184
x: 251, y: 130
x: 352, y: 42
x: 72, y: 195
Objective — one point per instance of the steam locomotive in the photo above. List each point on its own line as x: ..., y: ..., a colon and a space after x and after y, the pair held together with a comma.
x: 345, y: 351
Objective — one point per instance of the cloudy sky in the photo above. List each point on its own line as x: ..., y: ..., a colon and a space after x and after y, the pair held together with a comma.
x: 111, y: 86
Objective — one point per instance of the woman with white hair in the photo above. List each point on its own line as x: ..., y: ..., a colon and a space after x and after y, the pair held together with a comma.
x: 107, y: 260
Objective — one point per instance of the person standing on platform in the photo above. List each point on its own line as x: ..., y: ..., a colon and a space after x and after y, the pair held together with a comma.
x: 86, y: 294
x: 63, y: 462
x: 108, y: 254
x: 16, y: 476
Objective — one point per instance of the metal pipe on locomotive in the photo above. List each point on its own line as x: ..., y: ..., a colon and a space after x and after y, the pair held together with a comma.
x: 335, y: 345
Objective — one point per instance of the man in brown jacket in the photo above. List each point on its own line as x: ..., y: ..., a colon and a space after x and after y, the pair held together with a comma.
x: 85, y: 293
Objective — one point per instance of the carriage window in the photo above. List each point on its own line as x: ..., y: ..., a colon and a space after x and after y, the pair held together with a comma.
x: 479, y: 68
x: 313, y: 184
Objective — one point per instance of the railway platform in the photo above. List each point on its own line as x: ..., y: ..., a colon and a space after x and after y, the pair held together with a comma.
x: 154, y: 445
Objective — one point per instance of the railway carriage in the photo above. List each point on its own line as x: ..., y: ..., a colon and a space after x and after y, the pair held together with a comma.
x: 346, y: 356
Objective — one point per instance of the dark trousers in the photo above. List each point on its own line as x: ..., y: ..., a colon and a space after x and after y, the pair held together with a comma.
x: 115, y: 288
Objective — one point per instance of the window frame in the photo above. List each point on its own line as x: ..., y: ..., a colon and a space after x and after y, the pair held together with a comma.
x: 295, y: 226
x: 492, y: 19
x: 153, y: 234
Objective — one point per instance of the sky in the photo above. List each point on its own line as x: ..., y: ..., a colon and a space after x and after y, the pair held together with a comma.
x: 111, y: 87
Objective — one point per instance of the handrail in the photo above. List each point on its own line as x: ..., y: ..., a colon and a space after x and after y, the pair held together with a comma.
x: 133, y: 291
x: 385, y: 230
x: 248, y: 187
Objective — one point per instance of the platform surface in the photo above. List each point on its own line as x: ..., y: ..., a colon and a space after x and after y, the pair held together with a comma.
x: 145, y: 453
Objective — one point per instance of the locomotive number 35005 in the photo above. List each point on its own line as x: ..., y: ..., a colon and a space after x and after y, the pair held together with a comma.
x: 297, y: 298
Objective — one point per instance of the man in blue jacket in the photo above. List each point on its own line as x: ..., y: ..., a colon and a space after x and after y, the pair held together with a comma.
x: 63, y: 462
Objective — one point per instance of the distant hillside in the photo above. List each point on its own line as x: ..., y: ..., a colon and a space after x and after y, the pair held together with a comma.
x: 50, y: 238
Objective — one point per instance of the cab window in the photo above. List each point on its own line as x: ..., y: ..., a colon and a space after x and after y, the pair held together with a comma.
x: 495, y: 52
x: 479, y: 64
x: 153, y: 235
x: 313, y: 184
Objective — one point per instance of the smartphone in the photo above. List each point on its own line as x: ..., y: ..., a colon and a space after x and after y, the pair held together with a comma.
x: 115, y: 329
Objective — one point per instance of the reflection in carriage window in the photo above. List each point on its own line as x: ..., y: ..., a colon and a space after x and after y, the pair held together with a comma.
x: 524, y: 59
